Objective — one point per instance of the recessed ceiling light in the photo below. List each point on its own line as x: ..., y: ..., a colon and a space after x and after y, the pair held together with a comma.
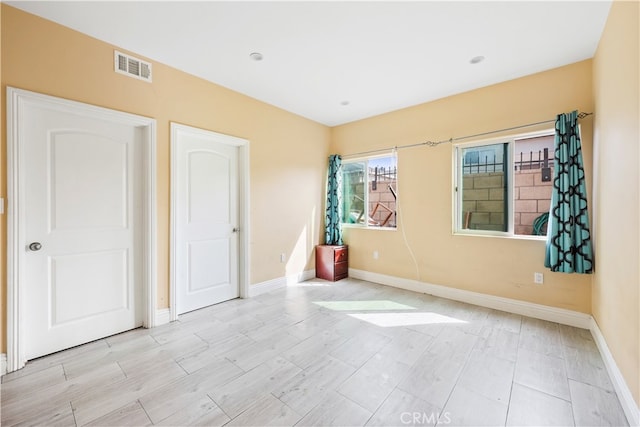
x: 344, y: 103
x: 477, y: 59
x: 256, y: 56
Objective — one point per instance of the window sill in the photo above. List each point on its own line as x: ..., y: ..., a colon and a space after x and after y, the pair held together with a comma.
x: 364, y: 227
x: 502, y: 236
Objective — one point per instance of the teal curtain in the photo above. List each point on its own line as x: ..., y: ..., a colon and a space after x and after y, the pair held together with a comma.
x: 333, y: 216
x: 568, y: 237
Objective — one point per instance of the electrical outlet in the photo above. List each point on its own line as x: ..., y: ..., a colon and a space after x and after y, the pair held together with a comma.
x: 375, y: 255
x: 538, y: 278
x: 283, y: 257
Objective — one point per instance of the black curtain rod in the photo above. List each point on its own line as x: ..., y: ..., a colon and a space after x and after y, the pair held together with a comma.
x: 460, y: 138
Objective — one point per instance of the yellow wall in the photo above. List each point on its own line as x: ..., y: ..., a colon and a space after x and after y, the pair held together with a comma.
x: 616, y: 300
x: 288, y: 153
x: 3, y: 223
x: 495, y: 266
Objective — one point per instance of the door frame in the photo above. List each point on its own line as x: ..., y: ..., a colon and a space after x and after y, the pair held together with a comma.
x: 16, y: 216
x: 243, y: 208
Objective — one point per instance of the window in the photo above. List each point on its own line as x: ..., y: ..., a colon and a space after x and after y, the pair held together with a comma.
x: 369, y: 192
x: 503, y: 187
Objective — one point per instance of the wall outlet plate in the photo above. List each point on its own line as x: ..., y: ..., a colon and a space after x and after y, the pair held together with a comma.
x: 538, y: 278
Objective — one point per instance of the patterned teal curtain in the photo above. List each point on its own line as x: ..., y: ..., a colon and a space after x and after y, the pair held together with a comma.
x: 568, y: 237
x: 333, y: 231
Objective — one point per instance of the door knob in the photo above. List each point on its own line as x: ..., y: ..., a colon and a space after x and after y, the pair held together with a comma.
x: 35, y: 246
x: 235, y: 229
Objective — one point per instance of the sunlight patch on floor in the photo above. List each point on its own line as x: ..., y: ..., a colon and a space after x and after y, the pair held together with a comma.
x: 388, y: 320
x: 310, y: 284
x: 372, y: 305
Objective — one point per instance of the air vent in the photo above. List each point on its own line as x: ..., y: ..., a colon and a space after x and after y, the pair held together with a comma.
x: 132, y: 67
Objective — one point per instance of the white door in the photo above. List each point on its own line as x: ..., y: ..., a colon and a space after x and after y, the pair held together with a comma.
x: 205, y: 217
x: 82, y: 204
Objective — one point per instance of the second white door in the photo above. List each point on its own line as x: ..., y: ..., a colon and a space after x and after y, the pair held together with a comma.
x: 205, y: 217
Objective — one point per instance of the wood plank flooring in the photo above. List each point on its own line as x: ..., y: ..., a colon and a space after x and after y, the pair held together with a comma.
x: 350, y: 353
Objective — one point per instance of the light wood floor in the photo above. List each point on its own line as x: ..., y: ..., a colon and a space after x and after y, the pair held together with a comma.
x: 351, y: 353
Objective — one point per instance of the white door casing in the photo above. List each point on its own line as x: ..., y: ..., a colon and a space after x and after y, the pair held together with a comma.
x: 81, y: 184
x: 208, y: 218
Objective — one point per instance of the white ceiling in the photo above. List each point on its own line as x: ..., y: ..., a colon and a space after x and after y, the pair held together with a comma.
x: 379, y: 56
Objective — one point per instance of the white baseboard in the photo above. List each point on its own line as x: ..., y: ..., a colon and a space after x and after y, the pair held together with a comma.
x: 163, y: 316
x: 538, y: 311
x: 280, y: 282
x: 3, y: 364
x: 627, y: 401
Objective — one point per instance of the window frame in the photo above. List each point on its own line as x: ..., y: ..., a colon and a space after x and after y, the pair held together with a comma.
x: 366, y: 160
x: 457, y: 202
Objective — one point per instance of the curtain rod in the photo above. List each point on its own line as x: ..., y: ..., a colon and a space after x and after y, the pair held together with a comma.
x: 460, y: 138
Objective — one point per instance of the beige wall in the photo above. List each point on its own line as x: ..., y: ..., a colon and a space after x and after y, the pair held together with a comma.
x: 3, y: 222
x: 288, y: 153
x: 616, y: 300
x: 495, y: 266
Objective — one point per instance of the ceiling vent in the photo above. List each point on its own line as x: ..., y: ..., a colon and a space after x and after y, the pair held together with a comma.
x: 132, y: 67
